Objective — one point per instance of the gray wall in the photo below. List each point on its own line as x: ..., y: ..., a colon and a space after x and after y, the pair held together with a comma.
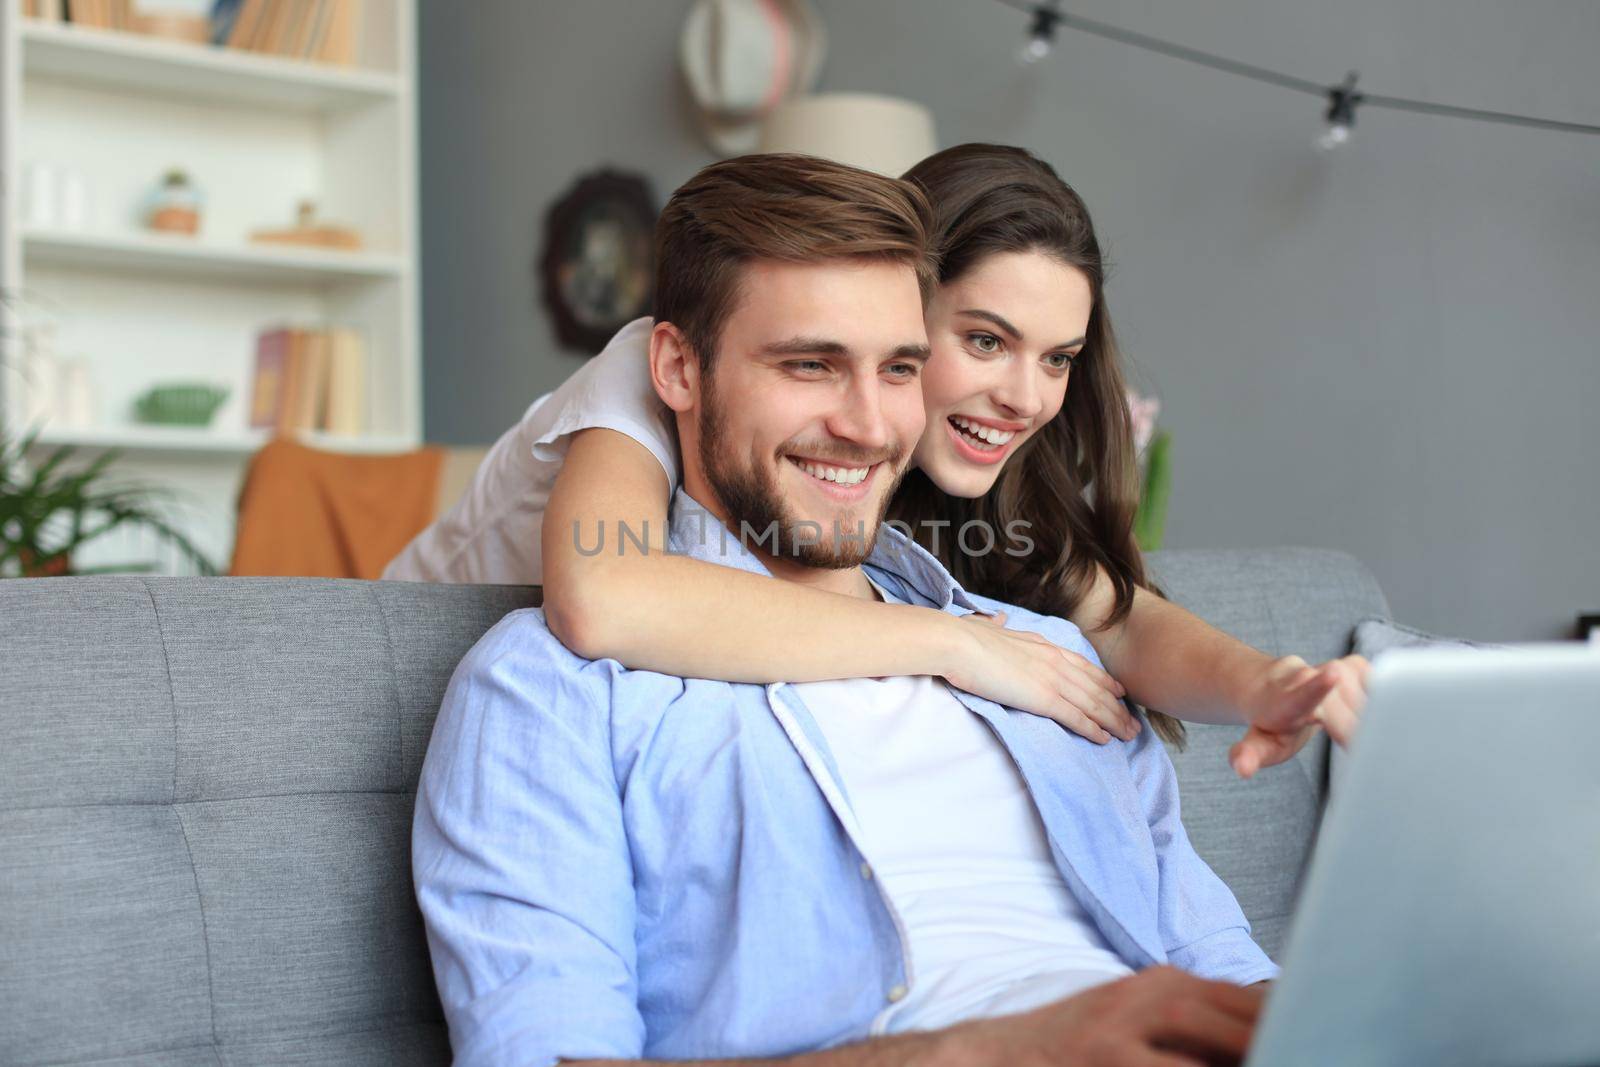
x: 1388, y: 350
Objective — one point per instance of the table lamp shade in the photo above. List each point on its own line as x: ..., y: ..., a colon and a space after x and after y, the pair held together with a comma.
x: 877, y: 133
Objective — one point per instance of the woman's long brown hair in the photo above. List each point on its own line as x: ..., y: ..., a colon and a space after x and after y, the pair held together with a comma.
x: 1074, y: 482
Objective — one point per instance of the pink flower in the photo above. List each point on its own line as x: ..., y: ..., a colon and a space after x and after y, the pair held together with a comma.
x: 1143, y: 411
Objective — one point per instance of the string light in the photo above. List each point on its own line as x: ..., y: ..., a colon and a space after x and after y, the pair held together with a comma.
x: 1342, y: 99
x: 1341, y: 115
x: 1041, y: 34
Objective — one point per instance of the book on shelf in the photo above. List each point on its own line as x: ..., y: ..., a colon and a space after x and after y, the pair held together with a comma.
x: 97, y: 14
x: 301, y: 24
x: 309, y: 356
x: 242, y: 24
x: 272, y: 26
x: 45, y: 10
x: 346, y: 410
x: 224, y: 14
x: 267, y: 391
x: 310, y: 380
x: 324, y: 30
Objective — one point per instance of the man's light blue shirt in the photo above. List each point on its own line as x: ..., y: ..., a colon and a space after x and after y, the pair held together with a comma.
x: 619, y: 864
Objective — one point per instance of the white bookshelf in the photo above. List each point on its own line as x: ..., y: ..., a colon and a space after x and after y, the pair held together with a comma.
x: 257, y: 134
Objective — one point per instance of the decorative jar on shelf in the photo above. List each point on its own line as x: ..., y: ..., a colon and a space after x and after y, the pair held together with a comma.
x: 76, y: 404
x: 41, y: 375
x: 175, y: 205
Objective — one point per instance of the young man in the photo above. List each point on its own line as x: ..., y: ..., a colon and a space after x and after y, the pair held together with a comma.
x: 615, y: 864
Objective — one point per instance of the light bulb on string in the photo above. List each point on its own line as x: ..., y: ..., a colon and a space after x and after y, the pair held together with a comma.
x: 1334, y: 135
x: 1341, y: 114
x: 1033, y: 50
x: 1041, y: 35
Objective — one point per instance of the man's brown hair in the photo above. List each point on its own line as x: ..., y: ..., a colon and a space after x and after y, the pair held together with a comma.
x: 792, y: 208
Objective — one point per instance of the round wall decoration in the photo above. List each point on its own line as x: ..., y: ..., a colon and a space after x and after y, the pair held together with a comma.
x: 597, y: 268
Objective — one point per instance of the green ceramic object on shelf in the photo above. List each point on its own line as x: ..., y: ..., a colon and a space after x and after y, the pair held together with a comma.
x: 180, y: 405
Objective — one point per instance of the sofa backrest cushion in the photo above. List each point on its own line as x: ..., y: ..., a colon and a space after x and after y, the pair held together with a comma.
x: 1257, y: 835
x: 205, y: 813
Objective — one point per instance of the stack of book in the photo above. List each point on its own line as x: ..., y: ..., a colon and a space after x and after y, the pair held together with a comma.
x: 310, y: 380
x: 101, y: 14
x: 328, y: 31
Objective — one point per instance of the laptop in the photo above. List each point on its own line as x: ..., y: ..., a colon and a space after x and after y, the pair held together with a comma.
x: 1451, y: 911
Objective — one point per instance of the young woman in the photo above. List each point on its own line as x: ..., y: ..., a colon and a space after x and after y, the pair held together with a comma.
x: 1026, y: 422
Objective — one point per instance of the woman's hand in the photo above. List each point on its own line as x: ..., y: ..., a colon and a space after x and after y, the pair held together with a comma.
x: 1289, y: 699
x: 1027, y: 672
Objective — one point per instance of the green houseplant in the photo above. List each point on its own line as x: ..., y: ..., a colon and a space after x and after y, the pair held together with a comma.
x: 51, y: 509
x: 1154, y: 451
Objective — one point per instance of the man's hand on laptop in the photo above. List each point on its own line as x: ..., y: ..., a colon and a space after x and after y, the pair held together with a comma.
x: 1289, y: 699
x: 1030, y: 673
x: 1161, y: 1017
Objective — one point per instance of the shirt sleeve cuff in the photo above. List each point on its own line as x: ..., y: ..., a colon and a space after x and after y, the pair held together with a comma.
x: 1225, y: 956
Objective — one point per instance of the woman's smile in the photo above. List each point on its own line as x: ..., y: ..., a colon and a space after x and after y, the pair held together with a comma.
x: 979, y: 442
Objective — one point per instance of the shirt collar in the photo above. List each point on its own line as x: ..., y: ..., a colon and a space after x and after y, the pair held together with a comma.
x: 912, y: 572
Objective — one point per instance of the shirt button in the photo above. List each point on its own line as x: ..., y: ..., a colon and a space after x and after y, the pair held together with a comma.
x: 897, y: 994
x: 866, y: 871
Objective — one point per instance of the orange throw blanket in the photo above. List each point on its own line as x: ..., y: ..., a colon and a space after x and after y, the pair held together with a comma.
x: 309, y: 513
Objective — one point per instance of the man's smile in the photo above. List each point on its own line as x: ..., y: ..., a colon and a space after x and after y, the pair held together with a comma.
x: 838, y: 481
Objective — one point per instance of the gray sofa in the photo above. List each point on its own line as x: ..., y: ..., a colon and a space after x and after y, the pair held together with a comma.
x: 206, y: 791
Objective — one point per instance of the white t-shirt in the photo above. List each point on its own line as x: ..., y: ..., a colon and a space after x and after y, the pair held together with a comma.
x: 957, y: 844
x: 492, y: 535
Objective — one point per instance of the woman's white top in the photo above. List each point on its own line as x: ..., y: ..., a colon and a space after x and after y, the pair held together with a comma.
x: 492, y: 535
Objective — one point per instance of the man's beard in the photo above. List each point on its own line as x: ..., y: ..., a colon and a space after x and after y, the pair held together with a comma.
x: 753, y: 500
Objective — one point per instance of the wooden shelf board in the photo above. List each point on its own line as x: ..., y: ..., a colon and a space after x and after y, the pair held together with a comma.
x: 207, y: 441
x: 195, y: 257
